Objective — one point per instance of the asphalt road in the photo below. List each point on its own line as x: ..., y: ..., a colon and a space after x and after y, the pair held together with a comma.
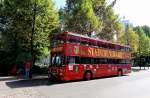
x: 134, y: 85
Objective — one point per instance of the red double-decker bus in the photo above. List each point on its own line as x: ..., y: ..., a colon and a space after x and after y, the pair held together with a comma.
x: 75, y: 57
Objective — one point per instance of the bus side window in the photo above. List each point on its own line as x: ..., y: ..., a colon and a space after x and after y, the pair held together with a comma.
x: 74, y: 40
x: 96, y: 61
x: 85, y: 60
x: 77, y: 60
x: 92, y: 61
x: 58, y: 60
x: 84, y: 43
x: 121, y: 61
x: 127, y: 61
x: 70, y: 60
x: 110, y: 61
x: 103, y: 61
x: 73, y: 60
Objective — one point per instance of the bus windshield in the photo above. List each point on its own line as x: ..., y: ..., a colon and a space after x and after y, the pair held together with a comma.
x: 57, y: 60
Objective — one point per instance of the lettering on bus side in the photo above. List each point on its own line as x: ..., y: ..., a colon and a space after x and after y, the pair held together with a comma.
x: 96, y: 52
x: 109, y: 53
x: 90, y: 51
x: 126, y: 55
x: 105, y: 53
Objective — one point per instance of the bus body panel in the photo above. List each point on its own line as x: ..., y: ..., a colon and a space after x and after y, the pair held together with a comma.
x: 75, y: 71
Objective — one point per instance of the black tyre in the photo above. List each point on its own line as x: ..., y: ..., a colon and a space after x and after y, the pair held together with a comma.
x: 88, y: 75
x: 120, y: 73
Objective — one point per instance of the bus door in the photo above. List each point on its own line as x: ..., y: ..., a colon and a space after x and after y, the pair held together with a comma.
x: 78, y: 71
x: 74, y: 68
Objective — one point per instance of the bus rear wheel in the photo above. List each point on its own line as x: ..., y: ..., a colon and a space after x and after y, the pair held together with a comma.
x: 88, y: 75
x: 120, y: 73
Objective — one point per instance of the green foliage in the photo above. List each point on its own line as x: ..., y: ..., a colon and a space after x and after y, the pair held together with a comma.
x: 47, y: 21
x: 110, y: 21
x: 146, y: 30
x: 144, y: 42
x: 86, y: 16
x: 24, y: 21
x: 138, y: 40
x: 86, y: 7
x: 131, y: 38
x: 80, y: 17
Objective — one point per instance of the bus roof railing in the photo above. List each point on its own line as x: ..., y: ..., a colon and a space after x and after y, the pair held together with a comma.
x: 95, y: 39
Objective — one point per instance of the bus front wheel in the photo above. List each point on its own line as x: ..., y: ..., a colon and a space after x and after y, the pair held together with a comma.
x: 88, y: 75
x: 50, y: 76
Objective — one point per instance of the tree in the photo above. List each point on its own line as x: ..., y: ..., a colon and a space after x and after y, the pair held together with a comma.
x: 85, y: 16
x: 131, y: 38
x: 110, y: 22
x: 45, y: 21
x: 26, y: 26
x: 81, y: 18
x: 146, y: 30
x: 144, y: 44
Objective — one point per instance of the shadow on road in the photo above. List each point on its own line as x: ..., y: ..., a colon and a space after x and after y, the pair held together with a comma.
x: 29, y: 83
x: 41, y: 82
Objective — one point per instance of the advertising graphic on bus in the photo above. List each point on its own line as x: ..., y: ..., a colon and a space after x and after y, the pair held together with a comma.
x: 75, y: 57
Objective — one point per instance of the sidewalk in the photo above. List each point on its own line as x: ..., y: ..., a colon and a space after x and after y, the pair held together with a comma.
x: 8, y: 78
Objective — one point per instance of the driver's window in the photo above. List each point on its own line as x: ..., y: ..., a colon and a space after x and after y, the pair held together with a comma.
x: 53, y: 58
x: 58, y: 60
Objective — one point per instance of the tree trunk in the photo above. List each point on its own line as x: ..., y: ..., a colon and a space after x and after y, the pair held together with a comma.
x: 32, y: 35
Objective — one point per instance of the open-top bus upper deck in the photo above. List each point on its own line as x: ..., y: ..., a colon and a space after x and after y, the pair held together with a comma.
x: 64, y: 37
